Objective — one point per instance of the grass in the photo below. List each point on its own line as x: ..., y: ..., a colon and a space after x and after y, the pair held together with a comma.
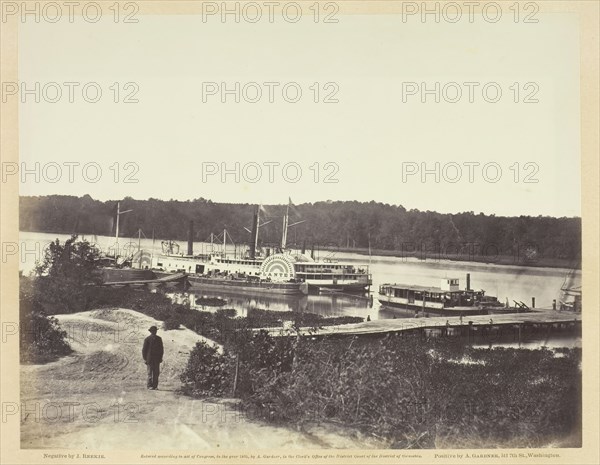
x: 407, y: 390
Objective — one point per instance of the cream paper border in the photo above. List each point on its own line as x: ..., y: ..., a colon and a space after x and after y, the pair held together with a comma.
x: 588, y: 12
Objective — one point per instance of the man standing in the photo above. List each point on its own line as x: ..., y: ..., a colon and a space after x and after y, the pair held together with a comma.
x: 153, y: 356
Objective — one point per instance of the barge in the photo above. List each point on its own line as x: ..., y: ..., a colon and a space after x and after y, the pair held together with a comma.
x: 252, y: 286
x: 240, y: 284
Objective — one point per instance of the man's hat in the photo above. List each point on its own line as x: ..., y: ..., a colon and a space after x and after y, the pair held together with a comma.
x: 153, y: 329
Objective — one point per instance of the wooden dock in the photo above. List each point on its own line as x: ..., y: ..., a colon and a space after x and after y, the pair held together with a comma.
x: 142, y: 282
x: 546, y: 318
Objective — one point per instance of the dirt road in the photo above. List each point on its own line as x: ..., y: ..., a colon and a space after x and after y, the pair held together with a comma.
x: 96, y: 398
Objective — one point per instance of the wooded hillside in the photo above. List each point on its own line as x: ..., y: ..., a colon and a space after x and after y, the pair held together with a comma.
x: 347, y: 224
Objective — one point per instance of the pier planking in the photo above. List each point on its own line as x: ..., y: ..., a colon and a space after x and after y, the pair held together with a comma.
x: 374, y: 327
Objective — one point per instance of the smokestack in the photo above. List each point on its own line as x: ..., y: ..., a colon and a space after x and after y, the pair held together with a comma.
x: 468, y: 281
x: 254, y: 233
x: 303, y: 247
x: 312, y: 251
x: 190, y: 250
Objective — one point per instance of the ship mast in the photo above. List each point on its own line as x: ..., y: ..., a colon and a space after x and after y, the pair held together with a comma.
x: 119, y: 213
x: 287, y: 225
x: 140, y: 246
x: 254, y: 233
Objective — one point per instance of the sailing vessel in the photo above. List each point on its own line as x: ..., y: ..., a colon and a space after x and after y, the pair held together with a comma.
x: 125, y: 264
x: 570, y: 292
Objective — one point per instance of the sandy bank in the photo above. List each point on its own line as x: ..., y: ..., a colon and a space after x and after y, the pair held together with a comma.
x: 96, y: 398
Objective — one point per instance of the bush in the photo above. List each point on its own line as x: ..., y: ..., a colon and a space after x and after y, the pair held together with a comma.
x: 41, y: 338
x: 227, y: 312
x: 66, y: 274
x: 417, y: 393
x: 171, y: 322
x: 208, y: 373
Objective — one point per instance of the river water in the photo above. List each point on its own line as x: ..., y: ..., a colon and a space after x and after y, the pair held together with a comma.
x: 504, y: 281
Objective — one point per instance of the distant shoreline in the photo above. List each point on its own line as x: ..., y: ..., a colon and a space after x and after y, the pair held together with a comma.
x: 344, y: 226
x: 505, y: 260
x: 500, y: 259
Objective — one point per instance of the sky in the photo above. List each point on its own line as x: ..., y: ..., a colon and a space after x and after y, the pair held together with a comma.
x: 374, y: 139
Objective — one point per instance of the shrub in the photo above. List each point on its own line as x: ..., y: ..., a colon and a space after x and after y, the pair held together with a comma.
x: 41, y: 338
x: 418, y: 393
x: 65, y: 273
x: 227, y: 312
x: 171, y: 322
x: 208, y: 373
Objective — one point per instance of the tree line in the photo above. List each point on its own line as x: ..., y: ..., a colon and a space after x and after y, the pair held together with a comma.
x: 333, y: 224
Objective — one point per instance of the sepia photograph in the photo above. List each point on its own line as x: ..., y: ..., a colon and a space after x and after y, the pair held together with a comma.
x: 299, y: 232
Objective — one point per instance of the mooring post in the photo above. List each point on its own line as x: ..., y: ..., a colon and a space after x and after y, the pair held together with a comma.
x: 235, y: 377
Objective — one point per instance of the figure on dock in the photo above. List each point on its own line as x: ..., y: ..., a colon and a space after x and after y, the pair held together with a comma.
x: 153, y: 352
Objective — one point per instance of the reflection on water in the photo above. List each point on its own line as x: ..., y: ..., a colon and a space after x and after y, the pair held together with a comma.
x: 508, y: 337
x: 325, y: 305
x: 553, y: 342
